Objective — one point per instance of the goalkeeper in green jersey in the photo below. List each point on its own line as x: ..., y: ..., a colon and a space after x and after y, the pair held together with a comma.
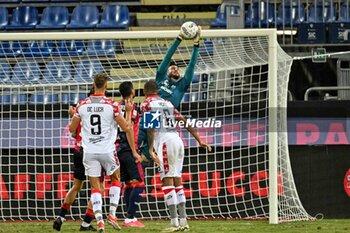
x: 172, y: 86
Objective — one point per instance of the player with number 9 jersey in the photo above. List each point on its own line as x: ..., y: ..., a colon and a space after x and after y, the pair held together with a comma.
x: 99, y: 129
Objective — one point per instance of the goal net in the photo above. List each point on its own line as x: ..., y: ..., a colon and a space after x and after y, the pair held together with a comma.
x: 240, y: 79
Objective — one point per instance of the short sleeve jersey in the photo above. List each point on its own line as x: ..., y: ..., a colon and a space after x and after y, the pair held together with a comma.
x: 98, y: 127
x: 167, y: 111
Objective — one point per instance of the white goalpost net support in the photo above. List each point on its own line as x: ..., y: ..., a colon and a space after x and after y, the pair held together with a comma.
x: 241, y: 79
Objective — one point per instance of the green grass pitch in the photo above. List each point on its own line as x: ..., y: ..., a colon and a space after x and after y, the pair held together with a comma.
x: 198, y: 226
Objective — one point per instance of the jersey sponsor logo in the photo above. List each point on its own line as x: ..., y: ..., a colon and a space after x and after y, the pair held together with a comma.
x: 152, y: 120
x: 167, y: 90
x: 96, y: 140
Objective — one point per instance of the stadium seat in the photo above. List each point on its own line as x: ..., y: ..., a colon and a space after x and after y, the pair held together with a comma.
x: 26, y: 73
x: 5, y: 99
x: 18, y: 99
x: 196, y: 78
x: 68, y: 98
x: 11, y: 48
x: 35, y: 1
x: 84, y: 16
x: 4, y: 18
x: 325, y: 13
x: 101, y: 47
x: 86, y: 69
x: 5, y: 72
x: 39, y: 48
x: 10, y: 1
x: 220, y: 20
x: 43, y: 99
x: 344, y: 13
x: 115, y: 16
x: 54, y: 17
x: 260, y: 15
x: 190, y: 97
x: 23, y: 17
x: 289, y: 15
x: 58, y: 72
x: 337, y: 30
x: 69, y: 48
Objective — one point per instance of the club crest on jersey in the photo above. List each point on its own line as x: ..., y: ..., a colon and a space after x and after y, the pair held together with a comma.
x: 152, y: 120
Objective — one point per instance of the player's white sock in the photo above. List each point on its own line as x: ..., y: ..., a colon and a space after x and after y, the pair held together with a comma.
x: 171, y: 201
x: 114, y: 196
x: 96, y: 199
x: 170, y: 195
x: 181, y: 198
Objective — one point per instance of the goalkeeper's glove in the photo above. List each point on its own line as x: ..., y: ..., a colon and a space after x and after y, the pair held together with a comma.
x: 197, y: 38
x: 181, y: 36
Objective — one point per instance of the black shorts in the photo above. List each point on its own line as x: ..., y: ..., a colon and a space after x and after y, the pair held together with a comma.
x: 78, y: 166
x: 129, y: 170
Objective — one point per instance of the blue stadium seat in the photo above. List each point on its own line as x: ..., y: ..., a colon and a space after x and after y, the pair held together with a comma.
x: 23, y: 17
x: 115, y: 16
x: 67, y: 98
x: 39, y: 48
x: 207, y: 48
x: 11, y: 48
x: 58, y: 72
x: 190, y: 97
x: 325, y: 13
x: 101, y: 47
x: 344, y: 13
x: 43, y: 99
x: 220, y: 20
x: 290, y: 14
x: 84, y: 16
x: 54, y: 17
x: 10, y: 1
x: 86, y: 69
x: 18, y: 99
x: 196, y: 78
x: 4, y: 17
x: 69, y: 48
x: 5, y: 73
x: 260, y: 15
x: 36, y: 1
x: 26, y: 73
x: 5, y: 98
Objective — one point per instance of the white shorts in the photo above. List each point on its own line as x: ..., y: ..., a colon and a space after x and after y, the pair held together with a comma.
x: 93, y: 163
x: 171, y: 153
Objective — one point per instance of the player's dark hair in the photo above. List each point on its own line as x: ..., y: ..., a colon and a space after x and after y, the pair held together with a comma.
x: 125, y: 89
x: 100, y: 80
x: 150, y: 87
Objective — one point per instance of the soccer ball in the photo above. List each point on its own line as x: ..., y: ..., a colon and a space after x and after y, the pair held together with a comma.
x: 189, y: 30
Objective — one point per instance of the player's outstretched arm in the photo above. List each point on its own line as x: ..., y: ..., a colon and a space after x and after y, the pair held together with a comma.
x: 128, y: 129
x: 194, y: 133
x: 193, y: 61
x: 163, y: 67
x: 150, y: 137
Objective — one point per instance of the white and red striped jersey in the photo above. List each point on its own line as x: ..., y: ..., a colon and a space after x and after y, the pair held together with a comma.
x: 98, y: 127
x: 167, y: 115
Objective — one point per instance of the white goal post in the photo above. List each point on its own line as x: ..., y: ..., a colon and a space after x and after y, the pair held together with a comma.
x: 241, y: 78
